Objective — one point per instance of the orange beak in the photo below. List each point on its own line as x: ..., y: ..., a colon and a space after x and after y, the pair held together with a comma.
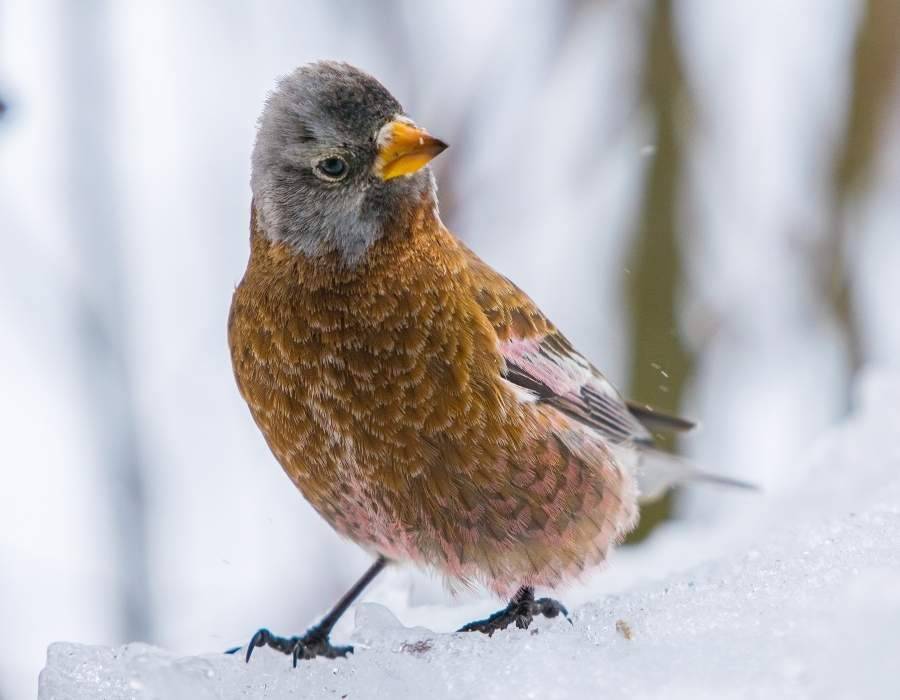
x: 404, y: 148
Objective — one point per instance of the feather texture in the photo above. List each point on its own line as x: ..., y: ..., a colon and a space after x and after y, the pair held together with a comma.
x: 383, y: 390
x: 538, y: 358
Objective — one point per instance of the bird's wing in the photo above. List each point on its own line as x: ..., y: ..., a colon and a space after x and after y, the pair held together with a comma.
x: 541, y: 363
x: 540, y: 360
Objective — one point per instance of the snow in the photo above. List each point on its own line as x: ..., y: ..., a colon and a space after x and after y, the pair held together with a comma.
x: 808, y: 605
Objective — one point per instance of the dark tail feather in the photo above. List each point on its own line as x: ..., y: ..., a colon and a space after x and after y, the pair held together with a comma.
x: 725, y: 481
x: 657, y: 420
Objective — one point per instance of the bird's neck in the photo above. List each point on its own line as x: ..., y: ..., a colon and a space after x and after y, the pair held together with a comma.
x: 350, y: 229
x: 415, y: 213
x: 414, y: 229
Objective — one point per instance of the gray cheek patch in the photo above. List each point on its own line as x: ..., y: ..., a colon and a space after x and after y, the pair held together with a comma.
x: 346, y: 218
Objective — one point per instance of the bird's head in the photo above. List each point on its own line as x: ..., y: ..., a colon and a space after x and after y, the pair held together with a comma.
x: 337, y: 162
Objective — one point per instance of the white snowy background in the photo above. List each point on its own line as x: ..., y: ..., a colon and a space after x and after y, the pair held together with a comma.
x: 138, y: 501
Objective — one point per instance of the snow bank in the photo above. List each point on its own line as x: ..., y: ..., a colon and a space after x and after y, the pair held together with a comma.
x: 811, y: 609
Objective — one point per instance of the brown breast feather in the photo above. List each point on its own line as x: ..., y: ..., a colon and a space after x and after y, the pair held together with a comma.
x: 381, y: 391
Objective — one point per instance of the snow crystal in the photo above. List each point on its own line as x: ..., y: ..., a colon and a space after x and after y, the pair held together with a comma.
x: 810, y: 609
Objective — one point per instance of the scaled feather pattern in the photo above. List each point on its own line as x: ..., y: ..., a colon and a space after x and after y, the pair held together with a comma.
x: 393, y: 394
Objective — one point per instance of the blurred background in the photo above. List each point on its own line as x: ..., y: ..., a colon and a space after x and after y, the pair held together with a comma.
x: 705, y: 196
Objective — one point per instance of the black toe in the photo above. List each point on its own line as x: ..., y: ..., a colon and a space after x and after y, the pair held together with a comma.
x: 311, y: 645
x: 522, y: 609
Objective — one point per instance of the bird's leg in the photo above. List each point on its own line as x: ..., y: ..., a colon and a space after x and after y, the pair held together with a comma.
x: 521, y: 609
x: 315, y: 641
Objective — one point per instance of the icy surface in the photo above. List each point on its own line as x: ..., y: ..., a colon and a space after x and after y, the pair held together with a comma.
x: 810, y: 608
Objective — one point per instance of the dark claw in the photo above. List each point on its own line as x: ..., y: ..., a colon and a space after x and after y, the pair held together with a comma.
x: 551, y: 608
x: 257, y: 640
x: 309, y: 646
x: 265, y: 638
x: 521, y: 610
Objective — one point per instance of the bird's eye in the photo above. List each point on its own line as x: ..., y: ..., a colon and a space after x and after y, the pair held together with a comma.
x: 332, y: 168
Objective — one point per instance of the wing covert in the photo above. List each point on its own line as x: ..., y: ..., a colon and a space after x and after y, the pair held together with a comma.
x: 543, y: 363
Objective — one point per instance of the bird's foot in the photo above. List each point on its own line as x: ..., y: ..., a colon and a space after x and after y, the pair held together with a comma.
x: 522, y: 609
x: 312, y: 644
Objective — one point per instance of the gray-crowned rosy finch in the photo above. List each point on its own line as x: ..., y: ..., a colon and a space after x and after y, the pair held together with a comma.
x: 419, y: 400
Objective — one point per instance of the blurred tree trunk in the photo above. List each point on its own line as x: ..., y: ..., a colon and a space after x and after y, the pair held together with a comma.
x: 101, y: 332
x: 660, y: 362
x: 875, y: 77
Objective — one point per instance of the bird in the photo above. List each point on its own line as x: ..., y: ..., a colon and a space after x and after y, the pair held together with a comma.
x: 420, y: 401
